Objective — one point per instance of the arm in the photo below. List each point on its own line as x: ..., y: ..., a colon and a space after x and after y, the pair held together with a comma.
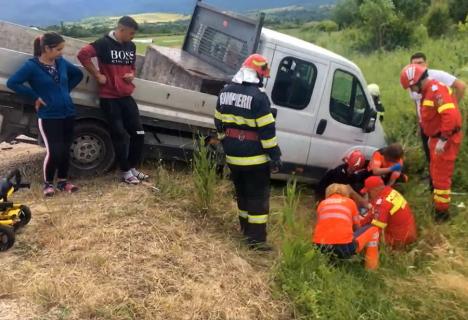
x: 84, y: 56
x: 74, y: 75
x: 459, y: 89
x: 17, y: 80
x: 266, y: 129
x: 218, y: 121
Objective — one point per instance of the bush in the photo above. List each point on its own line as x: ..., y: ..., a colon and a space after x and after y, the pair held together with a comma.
x: 204, y: 177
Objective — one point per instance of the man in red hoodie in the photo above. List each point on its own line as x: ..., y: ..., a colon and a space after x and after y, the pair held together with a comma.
x: 116, y: 55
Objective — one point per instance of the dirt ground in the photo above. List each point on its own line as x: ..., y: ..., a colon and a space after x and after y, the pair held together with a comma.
x: 113, y: 251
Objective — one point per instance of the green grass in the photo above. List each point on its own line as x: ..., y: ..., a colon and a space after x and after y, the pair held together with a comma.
x: 427, y: 281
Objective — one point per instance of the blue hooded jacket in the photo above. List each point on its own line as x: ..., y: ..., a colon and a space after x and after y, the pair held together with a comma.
x: 56, y: 95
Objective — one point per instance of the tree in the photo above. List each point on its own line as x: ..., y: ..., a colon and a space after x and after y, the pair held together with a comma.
x: 378, y: 17
x: 458, y: 10
x: 346, y: 13
x: 438, y: 20
x: 412, y: 9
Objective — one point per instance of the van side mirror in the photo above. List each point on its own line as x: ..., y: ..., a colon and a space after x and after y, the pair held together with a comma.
x: 369, y: 121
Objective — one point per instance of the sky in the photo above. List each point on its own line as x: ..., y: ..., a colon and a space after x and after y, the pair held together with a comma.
x: 48, y: 12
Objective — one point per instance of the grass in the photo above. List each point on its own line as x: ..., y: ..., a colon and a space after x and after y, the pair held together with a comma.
x: 427, y: 281
x: 114, y: 251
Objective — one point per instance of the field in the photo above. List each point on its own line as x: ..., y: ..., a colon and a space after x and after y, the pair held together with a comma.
x: 156, y: 17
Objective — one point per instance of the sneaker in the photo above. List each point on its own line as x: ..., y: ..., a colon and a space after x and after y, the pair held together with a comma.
x: 66, y: 186
x: 139, y: 175
x: 48, y: 190
x: 131, y: 180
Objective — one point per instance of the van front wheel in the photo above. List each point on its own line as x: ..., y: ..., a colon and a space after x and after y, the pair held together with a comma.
x: 91, y: 152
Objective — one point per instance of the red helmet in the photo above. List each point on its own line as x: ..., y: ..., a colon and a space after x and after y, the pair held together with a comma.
x: 411, y: 75
x: 258, y: 63
x: 355, y: 160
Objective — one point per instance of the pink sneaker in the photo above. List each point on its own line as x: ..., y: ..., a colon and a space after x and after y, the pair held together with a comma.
x: 66, y: 186
x: 48, y: 190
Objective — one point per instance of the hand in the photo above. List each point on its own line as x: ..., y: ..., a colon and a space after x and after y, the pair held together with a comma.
x: 101, y: 79
x: 128, y: 77
x: 38, y: 104
x: 396, y: 167
x: 275, y: 165
x: 440, y: 146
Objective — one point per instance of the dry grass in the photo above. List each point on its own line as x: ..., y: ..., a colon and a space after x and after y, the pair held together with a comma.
x: 114, y: 251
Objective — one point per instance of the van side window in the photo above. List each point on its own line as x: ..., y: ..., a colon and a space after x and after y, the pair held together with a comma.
x: 294, y: 83
x: 348, y: 103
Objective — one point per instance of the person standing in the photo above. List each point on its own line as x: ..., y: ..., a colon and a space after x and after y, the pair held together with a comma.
x: 246, y: 128
x: 457, y: 87
x: 116, y: 55
x: 441, y: 121
x: 51, y: 78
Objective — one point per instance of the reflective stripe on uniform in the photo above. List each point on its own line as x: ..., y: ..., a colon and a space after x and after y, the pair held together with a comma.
x: 428, y: 103
x: 342, y: 216
x: 261, y: 219
x: 379, y: 224
x: 243, y: 214
x: 446, y: 106
x: 265, y: 120
x: 247, y: 161
x: 372, y: 244
x: 269, y: 143
x: 441, y: 199
x: 441, y: 191
x: 218, y: 115
x: 397, y: 201
x: 231, y: 118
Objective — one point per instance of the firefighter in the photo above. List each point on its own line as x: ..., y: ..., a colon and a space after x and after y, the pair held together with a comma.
x: 441, y: 122
x: 246, y: 128
x: 374, y: 90
x: 351, y: 172
x: 390, y: 212
x: 388, y: 163
x: 337, y: 217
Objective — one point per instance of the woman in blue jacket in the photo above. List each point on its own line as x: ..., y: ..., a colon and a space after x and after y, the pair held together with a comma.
x: 51, y: 78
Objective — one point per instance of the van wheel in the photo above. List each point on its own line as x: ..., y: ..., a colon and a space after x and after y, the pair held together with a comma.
x: 91, y: 152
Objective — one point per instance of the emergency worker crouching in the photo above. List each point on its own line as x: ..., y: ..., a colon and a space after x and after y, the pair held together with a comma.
x: 337, y: 218
x: 246, y: 128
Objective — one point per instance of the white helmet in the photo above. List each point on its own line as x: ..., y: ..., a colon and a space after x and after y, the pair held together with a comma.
x: 374, y: 90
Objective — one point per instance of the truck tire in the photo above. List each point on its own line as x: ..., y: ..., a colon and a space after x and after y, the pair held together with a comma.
x: 91, y: 152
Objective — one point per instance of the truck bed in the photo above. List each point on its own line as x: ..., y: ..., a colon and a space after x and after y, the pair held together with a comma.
x: 168, y: 84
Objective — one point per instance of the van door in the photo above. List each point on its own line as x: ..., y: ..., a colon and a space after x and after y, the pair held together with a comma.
x: 342, y: 113
x: 295, y: 89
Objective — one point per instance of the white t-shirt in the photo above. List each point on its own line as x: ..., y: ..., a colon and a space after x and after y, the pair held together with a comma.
x: 439, y: 75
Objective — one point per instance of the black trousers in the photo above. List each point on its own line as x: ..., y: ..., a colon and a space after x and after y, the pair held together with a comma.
x: 58, y: 137
x: 252, y: 186
x: 126, y: 130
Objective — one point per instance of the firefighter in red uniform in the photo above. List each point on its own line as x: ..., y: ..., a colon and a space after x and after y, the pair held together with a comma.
x: 246, y: 128
x: 390, y: 212
x: 441, y: 122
